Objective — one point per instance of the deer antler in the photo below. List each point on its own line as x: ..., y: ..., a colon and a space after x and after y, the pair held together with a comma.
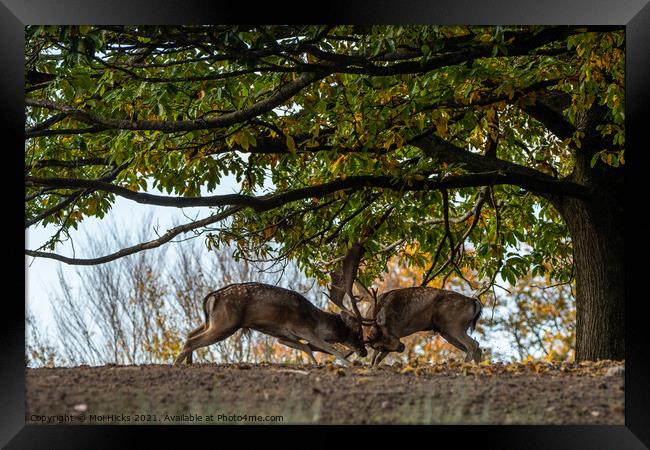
x: 375, y: 306
x: 343, y: 279
x: 371, y: 294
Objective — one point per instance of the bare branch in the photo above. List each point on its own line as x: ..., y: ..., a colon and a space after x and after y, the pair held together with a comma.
x: 168, y: 236
x: 445, y: 208
x: 499, y: 239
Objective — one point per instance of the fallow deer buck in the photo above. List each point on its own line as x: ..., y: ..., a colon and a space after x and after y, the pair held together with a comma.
x: 278, y: 312
x: 402, y: 312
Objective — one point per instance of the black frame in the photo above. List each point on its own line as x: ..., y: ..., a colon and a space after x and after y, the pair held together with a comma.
x: 635, y: 14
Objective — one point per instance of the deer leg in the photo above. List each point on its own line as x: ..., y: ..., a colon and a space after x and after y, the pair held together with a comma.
x: 453, y: 341
x: 318, y: 342
x: 473, y: 350
x: 299, y: 346
x: 313, y: 348
x: 197, y: 330
x: 214, y: 333
x: 380, y: 357
x: 469, y: 345
x: 373, y: 358
x: 193, y: 333
x: 478, y: 355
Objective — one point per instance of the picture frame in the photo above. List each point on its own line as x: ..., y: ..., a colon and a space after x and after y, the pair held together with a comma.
x: 635, y: 15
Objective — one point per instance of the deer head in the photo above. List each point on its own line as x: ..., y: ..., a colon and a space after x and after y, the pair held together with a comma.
x: 354, y: 339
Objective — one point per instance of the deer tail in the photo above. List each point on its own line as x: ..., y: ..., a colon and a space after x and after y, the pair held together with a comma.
x: 478, y: 309
x: 208, y: 304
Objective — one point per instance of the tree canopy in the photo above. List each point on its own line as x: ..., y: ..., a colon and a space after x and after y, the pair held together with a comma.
x: 446, y: 145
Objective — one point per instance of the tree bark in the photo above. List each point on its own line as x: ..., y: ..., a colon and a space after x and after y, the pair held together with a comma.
x: 596, y: 227
x: 598, y: 249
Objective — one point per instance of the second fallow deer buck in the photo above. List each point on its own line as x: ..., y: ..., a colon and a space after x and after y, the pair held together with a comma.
x: 278, y: 312
x: 402, y: 312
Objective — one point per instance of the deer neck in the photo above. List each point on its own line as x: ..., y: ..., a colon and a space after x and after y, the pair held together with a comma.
x: 332, y: 326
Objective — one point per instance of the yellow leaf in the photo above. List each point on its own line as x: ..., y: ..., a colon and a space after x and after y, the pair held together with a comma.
x: 291, y: 145
x: 441, y: 128
x: 336, y: 164
x: 485, y: 37
x: 252, y: 140
x: 243, y: 141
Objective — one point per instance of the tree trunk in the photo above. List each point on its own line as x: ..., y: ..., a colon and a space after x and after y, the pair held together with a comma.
x: 597, y: 236
x: 596, y: 227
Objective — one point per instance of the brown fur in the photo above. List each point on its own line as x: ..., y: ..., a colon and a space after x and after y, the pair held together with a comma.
x: 275, y: 311
x: 402, y: 312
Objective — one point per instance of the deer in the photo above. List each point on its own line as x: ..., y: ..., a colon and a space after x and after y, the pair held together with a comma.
x: 278, y: 312
x: 402, y: 312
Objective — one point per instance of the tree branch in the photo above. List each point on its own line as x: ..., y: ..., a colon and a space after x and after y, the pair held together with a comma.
x: 75, y: 196
x: 47, y: 123
x: 82, y: 162
x: 502, y: 173
x: 445, y: 211
x: 282, y: 94
x: 168, y: 236
x: 505, y: 173
x: 553, y: 120
x: 521, y: 43
x: 524, y: 177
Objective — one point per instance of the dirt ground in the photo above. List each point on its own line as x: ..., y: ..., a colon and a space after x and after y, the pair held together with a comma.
x: 455, y: 393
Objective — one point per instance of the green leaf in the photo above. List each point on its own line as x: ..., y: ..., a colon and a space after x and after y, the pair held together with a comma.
x: 595, y: 158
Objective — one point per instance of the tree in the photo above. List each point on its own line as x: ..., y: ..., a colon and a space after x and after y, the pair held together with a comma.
x: 466, y: 141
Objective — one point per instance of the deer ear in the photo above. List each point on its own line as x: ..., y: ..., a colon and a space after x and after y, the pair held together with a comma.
x: 349, y: 320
